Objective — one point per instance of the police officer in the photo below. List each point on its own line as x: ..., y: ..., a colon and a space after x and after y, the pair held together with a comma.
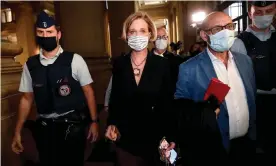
x: 259, y: 41
x: 60, y: 83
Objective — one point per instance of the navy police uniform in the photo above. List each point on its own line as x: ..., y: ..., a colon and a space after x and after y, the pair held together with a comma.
x: 60, y: 136
x: 263, y: 54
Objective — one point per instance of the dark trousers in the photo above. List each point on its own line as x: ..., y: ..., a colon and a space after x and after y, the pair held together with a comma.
x: 125, y: 158
x: 266, y: 113
x: 242, y: 149
x: 55, y: 148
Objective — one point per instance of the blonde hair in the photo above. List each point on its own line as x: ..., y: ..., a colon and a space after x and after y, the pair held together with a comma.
x: 135, y: 16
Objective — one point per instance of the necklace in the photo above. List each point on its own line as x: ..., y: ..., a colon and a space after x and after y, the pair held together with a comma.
x: 136, y: 70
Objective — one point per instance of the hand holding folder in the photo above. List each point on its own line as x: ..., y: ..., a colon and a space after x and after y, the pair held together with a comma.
x: 217, y: 89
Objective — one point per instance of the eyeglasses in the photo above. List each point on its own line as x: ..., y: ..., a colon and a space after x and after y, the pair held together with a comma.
x: 162, y: 37
x: 216, y: 29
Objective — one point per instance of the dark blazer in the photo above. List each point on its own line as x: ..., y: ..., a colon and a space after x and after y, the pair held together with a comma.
x: 174, y: 61
x: 141, y: 113
x: 195, y: 76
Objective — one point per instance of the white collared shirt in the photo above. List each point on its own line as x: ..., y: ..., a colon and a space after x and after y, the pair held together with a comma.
x: 262, y: 36
x: 158, y: 53
x: 239, y: 46
x: 236, y: 100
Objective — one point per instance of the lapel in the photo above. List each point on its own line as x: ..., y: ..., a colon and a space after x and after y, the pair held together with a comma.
x: 207, y: 65
x: 129, y: 75
x: 145, y: 74
x: 243, y: 73
x: 148, y: 68
x: 241, y: 70
x: 208, y: 68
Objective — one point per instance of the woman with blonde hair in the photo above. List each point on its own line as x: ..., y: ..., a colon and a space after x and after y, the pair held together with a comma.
x: 141, y: 96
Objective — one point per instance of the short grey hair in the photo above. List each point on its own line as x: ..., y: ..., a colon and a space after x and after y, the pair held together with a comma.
x: 165, y: 29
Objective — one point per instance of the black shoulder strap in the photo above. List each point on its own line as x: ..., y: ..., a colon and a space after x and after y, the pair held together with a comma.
x: 273, y: 36
x: 248, y: 39
x: 33, y: 62
x: 65, y: 58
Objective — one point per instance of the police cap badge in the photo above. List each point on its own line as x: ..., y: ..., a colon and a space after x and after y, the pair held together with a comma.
x: 44, y: 20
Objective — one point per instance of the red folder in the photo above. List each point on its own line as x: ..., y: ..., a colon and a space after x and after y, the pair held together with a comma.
x: 218, y: 89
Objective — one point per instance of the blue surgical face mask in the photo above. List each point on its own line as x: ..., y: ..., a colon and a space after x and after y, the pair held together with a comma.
x: 262, y: 22
x: 222, y: 41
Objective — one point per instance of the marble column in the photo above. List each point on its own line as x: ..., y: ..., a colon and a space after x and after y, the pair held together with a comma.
x: 25, y: 32
x: 10, y: 77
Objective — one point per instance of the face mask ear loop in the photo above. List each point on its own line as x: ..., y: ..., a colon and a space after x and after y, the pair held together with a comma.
x: 208, y: 38
x: 57, y: 40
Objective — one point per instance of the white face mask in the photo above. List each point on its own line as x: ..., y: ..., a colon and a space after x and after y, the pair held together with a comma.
x: 161, y: 44
x: 222, y: 41
x: 262, y: 22
x: 138, y: 43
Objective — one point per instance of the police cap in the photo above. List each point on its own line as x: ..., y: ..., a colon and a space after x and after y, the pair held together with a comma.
x: 44, y: 20
x: 262, y: 3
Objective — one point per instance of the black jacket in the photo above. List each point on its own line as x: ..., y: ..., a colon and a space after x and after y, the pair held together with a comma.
x: 141, y: 113
x: 174, y: 62
x: 199, y: 134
